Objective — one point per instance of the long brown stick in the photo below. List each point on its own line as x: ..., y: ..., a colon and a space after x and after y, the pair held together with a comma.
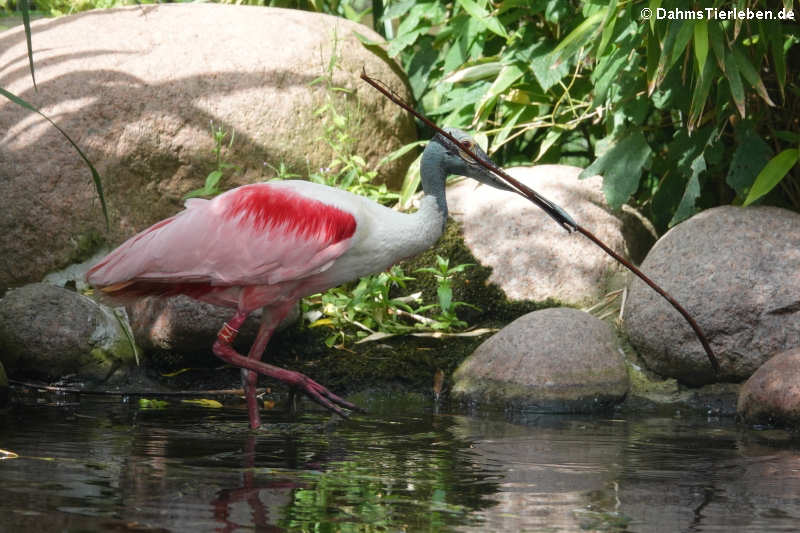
x: 558, y: 214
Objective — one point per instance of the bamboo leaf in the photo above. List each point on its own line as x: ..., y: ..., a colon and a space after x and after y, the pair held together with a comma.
x: 701, y: 43
x: 507, y: 76
x: 581, y: 31
x: 751, y: 75
x: 95, y: 176
x: 700, y: 95
x: 475, y: 72
x: 377, y: 49
x: 773, y: 172
x: 735, y: 83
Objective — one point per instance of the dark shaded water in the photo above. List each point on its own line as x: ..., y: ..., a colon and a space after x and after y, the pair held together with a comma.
x: 106, y: 465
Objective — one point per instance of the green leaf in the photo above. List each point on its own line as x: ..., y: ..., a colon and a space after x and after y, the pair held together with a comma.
x: 621, y: 167
x: 701, y: 89
x: 749, y: 157
x: 774, y: 171
x: 581, y: 31
x: 26, y: 22
x: 445, y: 294
x: 653, y: 53
x: 553, y: 135
x: 701, y: 43
x: 735, y: 83
x: 505, y: 79
x: 483, y: 17
x: 98, y: 185
x: 376, y: 48
x: 687, y: 208
x: 751, y: 75
x: 475, y: 72
x: 608, y: 28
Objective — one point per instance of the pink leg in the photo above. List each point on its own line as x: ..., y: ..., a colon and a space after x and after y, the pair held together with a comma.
x: 223, y: 349
x: 270, y: 320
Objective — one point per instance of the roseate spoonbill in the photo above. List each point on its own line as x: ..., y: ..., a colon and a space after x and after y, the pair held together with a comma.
x: 267, y: 245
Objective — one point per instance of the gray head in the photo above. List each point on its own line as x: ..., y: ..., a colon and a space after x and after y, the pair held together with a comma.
x: 443, y: 157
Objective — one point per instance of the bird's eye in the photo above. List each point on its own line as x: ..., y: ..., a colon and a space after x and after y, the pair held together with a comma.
x: 469, y: 145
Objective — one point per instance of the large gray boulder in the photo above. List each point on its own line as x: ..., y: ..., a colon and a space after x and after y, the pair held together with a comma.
x: 737, y: 271
x: 557, y: 360
x: 772, y: 394
x: 532, y: 257
x: 47, y: 332
x: 138, y: 87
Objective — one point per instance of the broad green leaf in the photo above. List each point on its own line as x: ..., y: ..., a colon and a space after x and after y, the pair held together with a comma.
x: 749, y: 157
x: 772, y: 174
x: 483, y: 17
x: 681, y: 42
x: 701, y: 43
x: 400, y: 152
x: 553, y: 136
x: 608, y: 29
x: 398, y: 9
x: 621, y: 167
x: 717, y: 39
x: 581, y: 31
x: 735, y: 83
x: 377, y: 49
x: 475, y: 72
x: 654, y: 5
x: 687, y: 208
x: 544, y: 70
x: 751, y: 75
x: 505, y: 79
x: 98, y: 185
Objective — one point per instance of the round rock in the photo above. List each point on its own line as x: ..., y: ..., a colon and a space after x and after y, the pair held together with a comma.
x: 532, y: 257
x: 138, y: 89
x: 558, y: 360
x: 736, y: 270
x: 47, y: 332
x: 187, y: 327
x: 772, y: 394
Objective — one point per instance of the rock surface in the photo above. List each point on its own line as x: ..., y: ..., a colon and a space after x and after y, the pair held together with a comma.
x: 137, y: 87
x: 187, y: 327
x: 532, y: 257
x: 772, y: 394
x: 47, y: 332
x: 737, y: 271
x: 558, y: 360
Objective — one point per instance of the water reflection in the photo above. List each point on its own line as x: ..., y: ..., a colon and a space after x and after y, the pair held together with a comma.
x: 107, y: 465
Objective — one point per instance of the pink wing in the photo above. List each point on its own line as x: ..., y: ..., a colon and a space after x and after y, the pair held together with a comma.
x: 259, y: 234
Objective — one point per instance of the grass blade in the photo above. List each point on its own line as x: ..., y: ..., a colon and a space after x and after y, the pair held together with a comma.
x: 95, y: 176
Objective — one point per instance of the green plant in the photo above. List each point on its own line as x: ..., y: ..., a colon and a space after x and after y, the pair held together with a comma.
x: 366, y: 310
x: 212, y: 184
x: 341, y: 118
x: 677, y: 115
x: 446, y: 317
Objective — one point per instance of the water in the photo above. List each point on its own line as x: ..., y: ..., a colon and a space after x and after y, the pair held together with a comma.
x: 105, y: 465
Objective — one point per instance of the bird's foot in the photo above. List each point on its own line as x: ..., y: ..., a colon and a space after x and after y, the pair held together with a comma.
x: 320, y: 394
